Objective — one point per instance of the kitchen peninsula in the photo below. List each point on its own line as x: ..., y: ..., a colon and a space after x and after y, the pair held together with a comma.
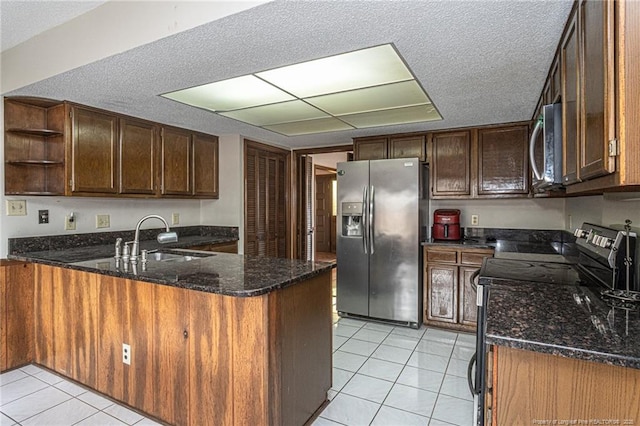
x: 217, y: 339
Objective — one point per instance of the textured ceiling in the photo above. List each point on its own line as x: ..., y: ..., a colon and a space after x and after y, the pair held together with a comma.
x: 481, y: 62
x: 23, y: 19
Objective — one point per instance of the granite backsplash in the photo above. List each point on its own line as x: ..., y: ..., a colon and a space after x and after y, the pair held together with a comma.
x: 62, y: 242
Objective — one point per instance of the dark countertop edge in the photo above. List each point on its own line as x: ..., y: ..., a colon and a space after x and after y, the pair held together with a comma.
x: 564, y: 351
x: 326, y: 266
x: 460, y: 244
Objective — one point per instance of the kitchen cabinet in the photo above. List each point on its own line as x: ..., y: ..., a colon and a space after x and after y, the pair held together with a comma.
x: 228, y: 247
x: 34, y: 147
x: 94, y: 151
x: 451, y: 164
x: 176, y: 161
x: 65, y: 313
x: 503, y: 160
x: 61, y: 148
x: 391, y: 146
x: 138, y: 151
x: 126, y: 316
x: 266, y: 176
x: 530, y: 386
x: 205, y: 166
x: 597, y: 109
x: 570, y: 108
x: 449, y: 296
x: 16, y: 314
x: 196, y: 358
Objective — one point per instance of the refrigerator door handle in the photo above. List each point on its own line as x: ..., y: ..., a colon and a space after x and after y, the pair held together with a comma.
x: 372, y: 223
x: 365, y: 232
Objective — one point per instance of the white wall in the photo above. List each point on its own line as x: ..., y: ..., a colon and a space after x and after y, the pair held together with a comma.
x: 329, y: 159
x: 608, y: 210
x: 228, y: 210
x: 532, y: 213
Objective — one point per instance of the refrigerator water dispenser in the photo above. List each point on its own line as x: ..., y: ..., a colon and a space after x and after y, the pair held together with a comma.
x: 352, y: 219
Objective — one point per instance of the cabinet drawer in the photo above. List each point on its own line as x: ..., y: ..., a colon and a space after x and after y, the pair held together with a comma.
x: 442, y: 256
x: 473, y: 258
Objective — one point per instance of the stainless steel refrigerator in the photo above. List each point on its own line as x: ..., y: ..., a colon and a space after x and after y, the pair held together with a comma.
x: 381, y: 211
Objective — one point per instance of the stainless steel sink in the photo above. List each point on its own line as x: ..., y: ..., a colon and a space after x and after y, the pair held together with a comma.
x: 159, y: 256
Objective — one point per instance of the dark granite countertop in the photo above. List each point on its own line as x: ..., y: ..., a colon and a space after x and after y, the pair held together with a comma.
x: 221, y: 273
x: 569, y: 321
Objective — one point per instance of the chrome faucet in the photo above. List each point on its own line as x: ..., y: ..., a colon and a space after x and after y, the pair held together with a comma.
x: 163, y: 237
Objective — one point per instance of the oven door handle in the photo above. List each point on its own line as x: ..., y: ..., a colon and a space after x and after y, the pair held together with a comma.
x: 473, y: 279
x: 472, y: 386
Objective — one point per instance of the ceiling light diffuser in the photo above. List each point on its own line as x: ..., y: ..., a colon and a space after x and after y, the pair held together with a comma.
x: 365, y: 88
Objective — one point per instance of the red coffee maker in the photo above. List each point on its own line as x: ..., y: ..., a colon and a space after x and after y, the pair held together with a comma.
x: 446, y: 224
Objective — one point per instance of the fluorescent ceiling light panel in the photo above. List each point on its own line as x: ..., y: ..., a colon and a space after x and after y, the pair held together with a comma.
x: 407, y: 93
x: 390, y: 117
x: 366, y: 88
x: 276, y: 113
x: 309, y: 126
x: 348, y: 71
x: 235, y: 93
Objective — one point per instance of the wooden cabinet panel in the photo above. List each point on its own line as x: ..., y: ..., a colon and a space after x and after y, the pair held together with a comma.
x: 532, y: 386
x: 171, y: 354
x: 473, y: 258
x: 66, y: 318
x: 598, y: 89
x: 16, y: 314
x: 442, y: 300
x: 503, y: 162
x: 468, y: 311
x: 570, y: 108
x: 210, y: 362
x: 138, y: 164
x: 442, y: 256
x: 231, y: 247
x: 205, y: 166
x: 93, y: 151
x: 407, y: 147
x: 451, y: 164
x: 125, y: 315
x: 370, y: 148
x: 176, y: 161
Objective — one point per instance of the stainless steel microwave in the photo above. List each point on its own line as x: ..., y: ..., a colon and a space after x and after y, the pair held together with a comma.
x: 547, y: 175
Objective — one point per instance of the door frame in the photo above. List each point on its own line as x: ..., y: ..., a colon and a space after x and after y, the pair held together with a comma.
x: 328, y: 171
x: 296, y: 192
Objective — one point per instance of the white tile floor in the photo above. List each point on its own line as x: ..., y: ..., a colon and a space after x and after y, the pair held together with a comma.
x: 397, y: 376
x: 33, y: 396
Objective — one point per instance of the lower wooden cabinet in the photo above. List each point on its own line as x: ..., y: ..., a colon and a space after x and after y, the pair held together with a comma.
x: 230, y: 247
x: 196, y: 358
x: 16, y: 314
x: 449, y: 296
x: 533, y: 387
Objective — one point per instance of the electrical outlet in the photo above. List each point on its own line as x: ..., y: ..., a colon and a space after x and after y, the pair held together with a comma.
x: 70, y: 222
x: 43, y: 216
x: 126, y: 354
x: 475, y: 220
x: 103, y: 221
x: 16, y: 208
x: 175, y: 219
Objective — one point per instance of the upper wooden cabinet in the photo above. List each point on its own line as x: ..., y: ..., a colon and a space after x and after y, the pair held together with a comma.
x: 595, y: 26
x: 451, y: 164
x: 503, y: 162
x: 600, y: 75
x: 176, y: 161
x: 392, y: 146
x: 205, y: 172
x: 570, y: 57
x: 94, y: 148
x: 138, y: 163
x: 60, y: 148
x: 485, y: 162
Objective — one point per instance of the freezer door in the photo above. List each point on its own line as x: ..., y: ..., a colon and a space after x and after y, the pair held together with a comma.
x: 394, y: 287
x: 352, y: 262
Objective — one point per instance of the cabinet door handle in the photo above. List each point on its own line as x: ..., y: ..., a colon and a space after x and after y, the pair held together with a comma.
x: 185, y: 333
x: 472, y: 279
